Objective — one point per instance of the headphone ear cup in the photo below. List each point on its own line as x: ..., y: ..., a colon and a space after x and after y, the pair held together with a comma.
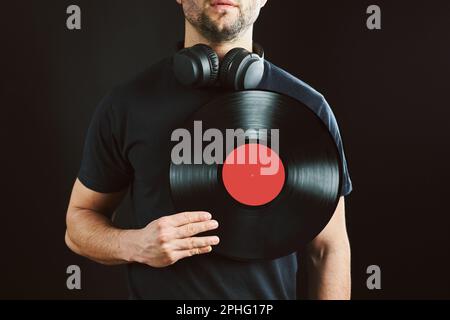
x: 213, y: 59
x: 197, y: 66
x: 225, y: 76
x: 241, y: 69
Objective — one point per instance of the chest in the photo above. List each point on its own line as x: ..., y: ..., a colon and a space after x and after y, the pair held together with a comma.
x: 149, y: 129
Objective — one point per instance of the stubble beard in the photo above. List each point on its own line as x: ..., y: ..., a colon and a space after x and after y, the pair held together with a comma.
x: 212, y: 32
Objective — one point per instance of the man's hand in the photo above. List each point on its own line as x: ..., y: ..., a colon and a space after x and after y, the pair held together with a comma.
x: 169, y: 239
x: 164, y: 241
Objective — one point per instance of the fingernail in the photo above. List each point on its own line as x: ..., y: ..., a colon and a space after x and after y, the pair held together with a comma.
x: 207, y: 215
x: 214, y: 224
x: 216, y: 240
x: 209, y: 249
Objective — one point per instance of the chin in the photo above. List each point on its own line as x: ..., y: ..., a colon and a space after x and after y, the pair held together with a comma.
x: 225, y: 23
x: 225, y: 15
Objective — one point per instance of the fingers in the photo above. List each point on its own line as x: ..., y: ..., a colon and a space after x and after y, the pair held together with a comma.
x: 192, y: 229
x: 195, y: 242
x: 192, y: 252
x: 184, y: 218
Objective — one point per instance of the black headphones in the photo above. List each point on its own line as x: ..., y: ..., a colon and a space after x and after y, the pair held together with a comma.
x: 198, y: 66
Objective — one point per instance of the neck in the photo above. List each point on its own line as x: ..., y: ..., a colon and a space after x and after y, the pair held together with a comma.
x: 193, y: 37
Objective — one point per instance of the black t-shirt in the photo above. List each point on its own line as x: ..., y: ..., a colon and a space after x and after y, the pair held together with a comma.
x: 127, y: 145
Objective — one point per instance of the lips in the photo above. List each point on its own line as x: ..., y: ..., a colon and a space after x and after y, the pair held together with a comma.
x: 223, y: 3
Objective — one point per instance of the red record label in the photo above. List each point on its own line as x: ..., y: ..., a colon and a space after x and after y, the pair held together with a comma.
x: 253, y: 174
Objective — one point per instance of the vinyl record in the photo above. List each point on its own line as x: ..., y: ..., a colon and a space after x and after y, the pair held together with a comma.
x: 260, y: 216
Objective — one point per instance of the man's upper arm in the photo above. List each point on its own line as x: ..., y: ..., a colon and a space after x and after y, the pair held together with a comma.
x: 83, y: 198
x: 335, y: 233
x: 89, y: 210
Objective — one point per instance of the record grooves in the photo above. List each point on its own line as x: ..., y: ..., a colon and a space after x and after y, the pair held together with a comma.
x: 311, y: 182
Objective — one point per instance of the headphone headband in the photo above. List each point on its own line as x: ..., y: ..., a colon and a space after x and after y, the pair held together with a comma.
x: 199, y: 66
x: 257, y: 48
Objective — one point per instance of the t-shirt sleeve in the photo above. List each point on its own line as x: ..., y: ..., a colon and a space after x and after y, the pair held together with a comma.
x: 328, y: 117
x: 347, y: 185
x: 104, y: 168
x: 283, y: 82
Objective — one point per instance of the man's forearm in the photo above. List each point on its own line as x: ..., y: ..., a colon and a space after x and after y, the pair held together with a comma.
x: 92, y: 235
x: 329, y: 273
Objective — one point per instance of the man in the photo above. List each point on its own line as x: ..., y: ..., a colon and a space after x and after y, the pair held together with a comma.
x: 126, y: 146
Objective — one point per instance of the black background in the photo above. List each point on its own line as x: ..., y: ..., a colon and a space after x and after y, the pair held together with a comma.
x: 388, y: 88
